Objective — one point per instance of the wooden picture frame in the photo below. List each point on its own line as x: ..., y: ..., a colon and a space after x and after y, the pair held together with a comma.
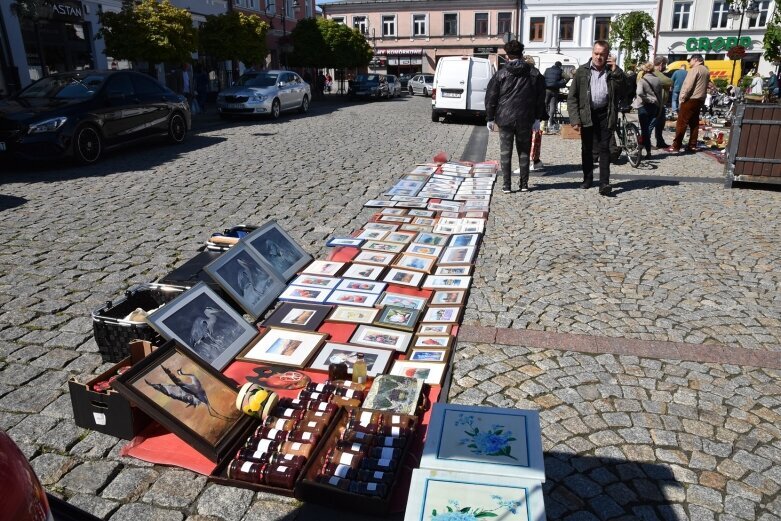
x: 352, y: 298
x: 283, y: 347
x: 381, y: 338
x: 404, y: 277
x: 398, y: 317
x: 353, y: 315
x: 278, y: 249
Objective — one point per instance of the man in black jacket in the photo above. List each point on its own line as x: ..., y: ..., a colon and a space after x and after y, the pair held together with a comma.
x: 514, y: 99
x: 554, y: 80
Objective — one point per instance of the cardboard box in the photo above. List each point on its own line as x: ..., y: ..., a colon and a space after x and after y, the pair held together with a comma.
x: 567, y: 132
x: 109, y: 412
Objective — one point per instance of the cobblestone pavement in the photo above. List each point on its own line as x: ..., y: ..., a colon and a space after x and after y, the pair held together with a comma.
x: 625, y: 438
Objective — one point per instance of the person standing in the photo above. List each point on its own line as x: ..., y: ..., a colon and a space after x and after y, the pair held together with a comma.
x: 514, y: 99
x: 184, y: 82
x: 660, y: 64
x: 649, y: 92
x: 678, y: 78
x: 692, y: 98
x: 592, y: 104
x: 201, y: 86
x: 554, y: 81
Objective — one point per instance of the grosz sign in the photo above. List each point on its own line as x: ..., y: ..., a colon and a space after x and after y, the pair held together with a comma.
x: 717, y: 44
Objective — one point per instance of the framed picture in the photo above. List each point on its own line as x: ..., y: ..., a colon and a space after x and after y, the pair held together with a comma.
x: 456, y: 269
x: 387, y: 247
x: 372, y: 235
x: 401, y: 237
x: 393, y: 211
x: 364, y: 286
x: 277, y: 248
x: 352, y: 298
x: 425, y: 221
x: 446, y: 282
x: 398, y: 317
x: 434, y: 329
x: 426, y: 354
x: 464, y: 239
x: 187, y: 397
x: 378, y: 203
x: 363, y: 271
x: 412, y: 204
x: 374, y: 257
x: 306, y: 317
x: 411, y: 261
x: 315, y: 281
x: 377, y: 360
x: 454, y: 435
x: 353, y: 315
x: 344, y: 241
x: 448, y: 298
x: 404, y: 277
x: 432, y: 342
x: 247, y: 278
x: 424, y: 249
x: 442, y: 314
x: 475, y: 215
x: 381, y: 226
x: 395, y: 394
x: 396, y: 219
x: 430, y: 372
x: 373, y: 336
x: 402, y: 300
x: 303, y: 294
x: 421, y: 213
x: 425, y: 170
x: 327, y: 268
x: 457, y: 255
x: 445, y: 206
x: 431, y: 239
x: 284, y: 347
x: 435, y: 494
x: 446, y: 228
x: 415, y: 228
x: 202, y: 322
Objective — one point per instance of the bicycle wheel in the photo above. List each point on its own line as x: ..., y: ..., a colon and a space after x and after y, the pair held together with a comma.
x: 632, y: 144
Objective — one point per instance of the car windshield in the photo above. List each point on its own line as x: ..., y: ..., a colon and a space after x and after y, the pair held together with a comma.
x: 368, y: 78
x: 64, y: 87
x: 428, y: 79
x: 258, y: 80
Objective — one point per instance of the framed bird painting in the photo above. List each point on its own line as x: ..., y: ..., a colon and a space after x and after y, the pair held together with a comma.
x: 205, y: 324
x: 247, y: 278
x: 186, y: 396
x: 279, y: 249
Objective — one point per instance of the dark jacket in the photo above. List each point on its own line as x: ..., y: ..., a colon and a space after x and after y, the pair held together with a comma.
x: 516, y: 96
x: 554, y: 78
x: 579, y: 99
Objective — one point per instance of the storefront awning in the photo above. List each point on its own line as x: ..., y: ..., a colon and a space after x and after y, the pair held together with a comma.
x: 392, y: 52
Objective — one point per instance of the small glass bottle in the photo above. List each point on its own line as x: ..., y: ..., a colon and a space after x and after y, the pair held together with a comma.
x: 353, y: 448
x: 395, y: 431
x: 287, y: 413
x: 344, y: 458
x: 281, y: 424
x: 268, y: 433
x: 350, y: 435
x: 323, y: 417
x: 385, y: 453
x: 378, y: 464
x: 378, y: 476
x: 344, y: 392
x: 249, y: 471
x: 250, y: 454
x: 261, y: 445
x: 359, y: 370
x: 303, y: 436
x: 365, y: 421
x: 281, y: 475
x: 316, y: 427
x: 292, y: 403
x: 337, y: 371
x: 335, y: 481
x: 349, y: 384
x: 291, y: 460
x: 322, y: 407
x: 390, y: 441
x: 398, y: 420
x: 326, y: 387
x: 345, y: 402
x: 297, y: 448
x: 314, y: 396
x: 368, y: 489
x: 339, y: 470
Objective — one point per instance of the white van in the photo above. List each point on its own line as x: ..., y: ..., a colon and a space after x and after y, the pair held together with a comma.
x: 460, y: 83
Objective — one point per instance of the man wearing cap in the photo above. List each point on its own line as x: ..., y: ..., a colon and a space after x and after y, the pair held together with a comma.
x: 691, y: 99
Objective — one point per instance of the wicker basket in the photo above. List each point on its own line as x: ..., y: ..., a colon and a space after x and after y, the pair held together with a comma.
x: 112, y: 333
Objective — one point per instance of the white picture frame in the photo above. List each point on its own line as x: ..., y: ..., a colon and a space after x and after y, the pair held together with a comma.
x: 377, y: 360
x: 382, y: 338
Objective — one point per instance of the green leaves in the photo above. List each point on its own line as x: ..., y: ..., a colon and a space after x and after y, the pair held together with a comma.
x: 325, y: 43
x: 632, y: 33
x: 234, y: 35
x: 772, y: 40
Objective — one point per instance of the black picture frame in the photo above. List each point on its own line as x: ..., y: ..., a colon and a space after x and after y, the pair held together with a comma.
x: 283, y: 312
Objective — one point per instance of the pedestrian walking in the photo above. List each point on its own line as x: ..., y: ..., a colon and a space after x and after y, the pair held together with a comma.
x: 514, y: 100
x: 554, y: 82
x: 596, y: 90
x: 201, y: 86
x: 183, y: 82
x: 328, y: 82
x: 660, y: 64
x: 648, y: 103
x: 692, y: 98
x: 536, y: 145
x: 678, y: 78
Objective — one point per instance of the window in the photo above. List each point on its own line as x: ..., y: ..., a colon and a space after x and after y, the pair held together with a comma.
x: 481, y: 24
x: 537, y: 29
x: 120, y: 85
x: 451, y: 24
x: 761, y: 20
x: 146, y: 86
x: 504, y: 23
x: 566, y: 28
x: 308, y: 9
x: 338, y: 19
x: 681, y: 12
x: 601, y: 28
x: 389, y: 25
x: 360, y: 23
x: 289, y: 13
x: 419, y: 25
x: 718, y: 18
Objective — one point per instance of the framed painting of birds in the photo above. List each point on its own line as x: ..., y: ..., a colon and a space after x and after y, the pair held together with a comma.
x: 277, y: 248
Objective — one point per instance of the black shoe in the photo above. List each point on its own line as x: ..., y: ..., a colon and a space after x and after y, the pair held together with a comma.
x: 662, y: 146
x: 506, y: 190
x: 585, y: 185
x: 524, y: 188
x: 606, y: 191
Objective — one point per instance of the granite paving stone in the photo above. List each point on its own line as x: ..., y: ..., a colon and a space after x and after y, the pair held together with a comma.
x: 89, y: 477
x: 227, y: 503
x: 136, y: 511
x: 175, y: 489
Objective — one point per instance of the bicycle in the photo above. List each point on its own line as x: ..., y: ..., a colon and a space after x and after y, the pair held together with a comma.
x: 628, y: 137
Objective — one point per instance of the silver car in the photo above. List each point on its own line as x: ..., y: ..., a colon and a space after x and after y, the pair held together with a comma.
x: 394, y: 86
x: 421, y: 84
x: 265, y: 92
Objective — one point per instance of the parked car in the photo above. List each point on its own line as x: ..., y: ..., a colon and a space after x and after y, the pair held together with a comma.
x: 404, y: 79
x: 369, y: 85
x: 83, y: 113
x: 394, y: 86
x: 265, y: 92
x: 421, y: 84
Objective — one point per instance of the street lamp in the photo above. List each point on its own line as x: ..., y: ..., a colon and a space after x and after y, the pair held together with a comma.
x: 735, y: 13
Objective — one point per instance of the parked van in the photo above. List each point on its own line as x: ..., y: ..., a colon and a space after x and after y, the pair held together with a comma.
x: 460, y: 83
x: 719, y: 69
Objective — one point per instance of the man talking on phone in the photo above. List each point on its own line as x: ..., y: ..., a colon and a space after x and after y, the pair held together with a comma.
x: 592, y: 104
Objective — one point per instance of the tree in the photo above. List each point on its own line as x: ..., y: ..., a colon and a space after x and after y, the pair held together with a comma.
x: 234, y: 36
x: 632, y: 32
x: 150, y: 30
x: 347, y: 47
x: 309, y: 46
x: 772, y: 41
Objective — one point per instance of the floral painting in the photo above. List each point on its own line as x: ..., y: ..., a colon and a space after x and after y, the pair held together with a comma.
x: 495, y: 441
x: 485, y: 437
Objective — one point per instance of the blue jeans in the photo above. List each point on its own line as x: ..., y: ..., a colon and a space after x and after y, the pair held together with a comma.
x: 675, y: 95
x: 647, y: 114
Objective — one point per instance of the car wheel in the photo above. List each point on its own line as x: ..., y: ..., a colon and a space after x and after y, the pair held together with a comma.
x: 411, y: 92
x: 304, y: 105
x: 177, y: 128
x: 276, y: 108
x: 434, y: 116
x: 87, y: 145
x: 425, y: 91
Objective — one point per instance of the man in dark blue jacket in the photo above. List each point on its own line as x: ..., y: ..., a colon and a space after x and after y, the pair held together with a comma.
x: 514, y: 99
x: 554, y: 80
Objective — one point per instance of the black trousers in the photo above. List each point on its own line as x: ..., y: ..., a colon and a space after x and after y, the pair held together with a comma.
x: 596, y: 140
x: 522, y: 136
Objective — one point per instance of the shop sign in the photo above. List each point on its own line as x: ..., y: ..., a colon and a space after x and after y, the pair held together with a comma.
x: 717, y: 44
x: 485, y: 50
x: 67, y: 10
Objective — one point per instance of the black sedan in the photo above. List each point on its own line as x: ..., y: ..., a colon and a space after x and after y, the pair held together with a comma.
x: 83, y: 113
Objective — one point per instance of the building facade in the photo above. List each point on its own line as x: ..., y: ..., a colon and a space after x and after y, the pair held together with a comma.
x: 704, y: 27
x: 410, y: 36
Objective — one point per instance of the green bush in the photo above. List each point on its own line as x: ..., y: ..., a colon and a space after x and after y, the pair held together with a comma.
x: 721, y: 84
x: 745, y: 83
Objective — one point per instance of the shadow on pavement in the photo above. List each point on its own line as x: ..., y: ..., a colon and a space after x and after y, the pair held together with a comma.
x: 10, y: 201
x: 641, y: 184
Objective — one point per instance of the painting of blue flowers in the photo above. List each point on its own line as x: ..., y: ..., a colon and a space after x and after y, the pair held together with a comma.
x: 494, y: 441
